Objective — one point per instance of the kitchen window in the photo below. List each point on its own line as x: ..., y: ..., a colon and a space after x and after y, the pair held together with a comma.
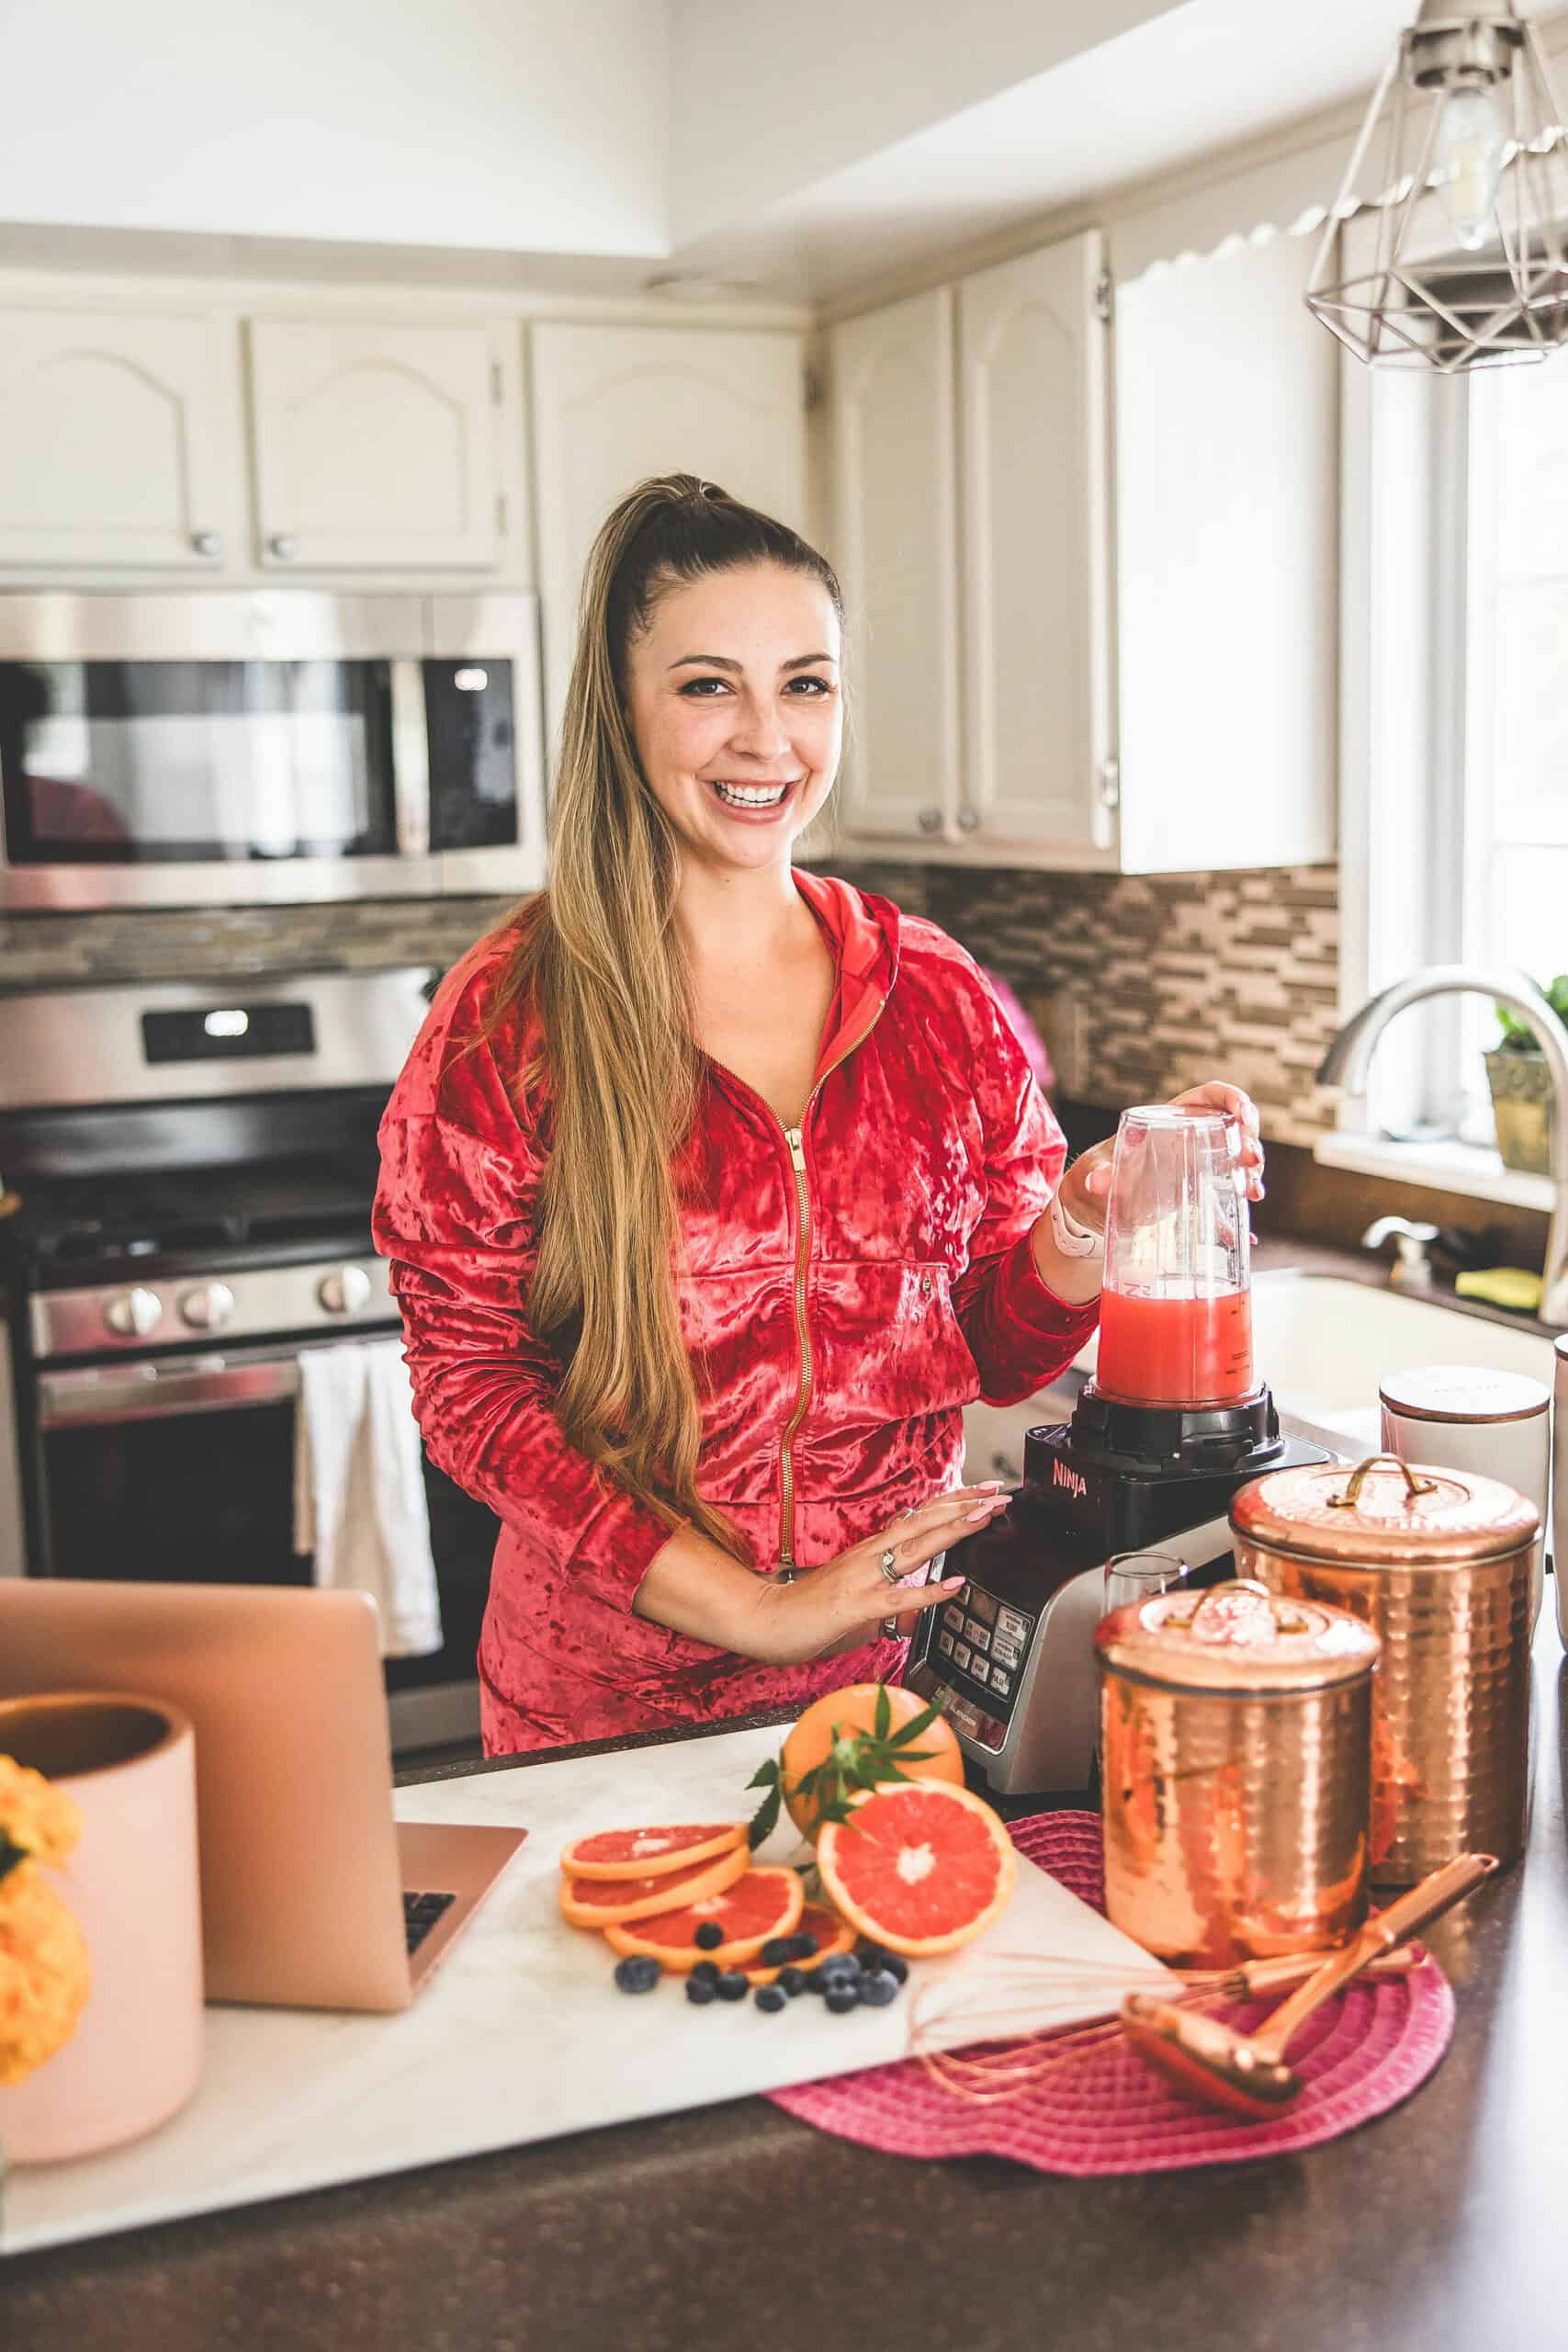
x: 1455, y: 824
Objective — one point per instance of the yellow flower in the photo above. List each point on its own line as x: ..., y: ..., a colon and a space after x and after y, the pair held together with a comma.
x: 35, y: 1816
x: 44, y: 1977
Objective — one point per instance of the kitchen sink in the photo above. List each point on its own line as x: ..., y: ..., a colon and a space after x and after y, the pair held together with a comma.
x: 1322, y: 1343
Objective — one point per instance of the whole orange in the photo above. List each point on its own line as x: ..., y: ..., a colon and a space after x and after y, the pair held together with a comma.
x: 847, y: 1719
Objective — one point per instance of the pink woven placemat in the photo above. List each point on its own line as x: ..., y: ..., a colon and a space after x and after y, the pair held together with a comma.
x: 1106, y: 2112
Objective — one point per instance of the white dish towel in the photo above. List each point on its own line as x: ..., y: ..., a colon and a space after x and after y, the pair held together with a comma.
x: 359, y: 1489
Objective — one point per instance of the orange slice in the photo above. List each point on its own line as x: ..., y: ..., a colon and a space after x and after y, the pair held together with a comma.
x: 833, y: 1935
x: 650, y: 1853
x: 920, y: 1867
x: 763, y: 1903
x: 605, y: 1902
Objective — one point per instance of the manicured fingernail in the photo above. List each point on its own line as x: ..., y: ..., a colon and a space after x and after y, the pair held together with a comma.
x: 952, y: 1584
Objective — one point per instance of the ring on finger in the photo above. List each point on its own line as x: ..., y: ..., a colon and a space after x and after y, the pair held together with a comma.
x: 889, y: 1564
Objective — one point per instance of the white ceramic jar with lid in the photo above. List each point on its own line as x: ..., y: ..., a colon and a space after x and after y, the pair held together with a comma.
x: 1488, y: 1424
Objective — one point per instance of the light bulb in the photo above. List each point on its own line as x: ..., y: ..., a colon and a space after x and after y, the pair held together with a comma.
x: 1470, y: 147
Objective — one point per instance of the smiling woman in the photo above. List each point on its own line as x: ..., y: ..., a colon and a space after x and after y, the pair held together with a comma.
x: 713, y: 1189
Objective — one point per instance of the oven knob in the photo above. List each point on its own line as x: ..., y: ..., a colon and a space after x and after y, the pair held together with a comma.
x: 134, y: 1313
x: 208, y: 1308
x: 345, y: 1292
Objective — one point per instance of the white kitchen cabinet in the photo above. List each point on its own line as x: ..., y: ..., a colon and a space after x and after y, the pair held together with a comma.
x: 1227, y: 519
x: 1032, y: 420
x: 119, y: 442
x: 612, y: 405
x: 896, y: 546
x: 377, y: 445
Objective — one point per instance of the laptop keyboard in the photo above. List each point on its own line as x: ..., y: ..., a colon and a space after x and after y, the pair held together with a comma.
x: 420, y: 1913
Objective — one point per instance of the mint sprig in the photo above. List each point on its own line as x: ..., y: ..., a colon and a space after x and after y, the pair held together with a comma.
x: 855, y: 1762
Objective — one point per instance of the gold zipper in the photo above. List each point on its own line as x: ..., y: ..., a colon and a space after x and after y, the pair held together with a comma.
x: 795, y: 1139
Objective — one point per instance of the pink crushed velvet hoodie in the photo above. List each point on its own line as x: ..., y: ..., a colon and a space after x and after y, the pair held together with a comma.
x: 845, y: 1289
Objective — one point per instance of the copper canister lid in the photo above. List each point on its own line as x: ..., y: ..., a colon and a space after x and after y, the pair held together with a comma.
x: 1237, y: 1637
x: 1384, y: 1513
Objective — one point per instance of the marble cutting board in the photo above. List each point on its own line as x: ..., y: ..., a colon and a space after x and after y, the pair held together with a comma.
x: 521, y: 2035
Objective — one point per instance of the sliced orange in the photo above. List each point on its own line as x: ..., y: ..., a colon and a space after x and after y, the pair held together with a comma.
x: 763, y: 1903
x: 650, y: 1853
x: 919, y: 1866
x: 605, y: 1902
x: 833, y: 1935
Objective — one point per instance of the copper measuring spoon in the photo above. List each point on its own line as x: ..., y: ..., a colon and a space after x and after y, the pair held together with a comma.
x: 1246, y: 2073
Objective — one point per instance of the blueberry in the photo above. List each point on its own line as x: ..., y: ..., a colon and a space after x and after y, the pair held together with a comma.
x: 877, y: 1988
x: 640, y: 1973
x: 870, y: 1955
x: 842, y: 1997
x: 700, y: 1990
x: 802, y: 1947
x: 730, y: 1985
x: 776, y: 1951
x: 813, y: 1981
x: 705, y: 1970
x: 841, y: 1968
x: 894, y: 1964
x: 792, y: 1981
x: 709, y: 1936
x: 770, y: 1998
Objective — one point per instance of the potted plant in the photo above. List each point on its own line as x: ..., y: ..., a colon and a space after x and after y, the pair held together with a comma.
x: 1521, y: 1088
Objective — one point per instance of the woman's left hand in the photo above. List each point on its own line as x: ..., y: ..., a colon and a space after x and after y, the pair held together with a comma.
x: 1087, y: 1181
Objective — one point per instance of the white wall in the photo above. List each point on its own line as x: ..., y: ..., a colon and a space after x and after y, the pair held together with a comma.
x: 522, y: 125
x: 767, y: 100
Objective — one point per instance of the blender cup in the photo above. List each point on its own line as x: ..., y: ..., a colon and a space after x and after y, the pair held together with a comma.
x: 1176, y: 1306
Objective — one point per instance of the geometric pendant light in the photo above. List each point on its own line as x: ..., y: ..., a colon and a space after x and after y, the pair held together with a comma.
x: 1465, y: 110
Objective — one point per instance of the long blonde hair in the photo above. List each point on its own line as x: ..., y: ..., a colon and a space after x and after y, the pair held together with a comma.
x: 599, y: 958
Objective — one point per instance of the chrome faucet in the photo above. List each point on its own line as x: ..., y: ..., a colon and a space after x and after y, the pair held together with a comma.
x: 1348, y: 1059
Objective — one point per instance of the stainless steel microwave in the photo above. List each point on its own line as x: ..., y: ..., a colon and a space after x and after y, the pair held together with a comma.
x: 267, y: 748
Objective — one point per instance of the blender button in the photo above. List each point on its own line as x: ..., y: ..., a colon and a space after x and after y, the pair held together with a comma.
x: 944, y: 1644
x: 1015, y: 1627
x: 980, y: 1671
x: 961, y: 1656
x: 1006, y: 1653
x: 977, y: 1634
x: 953, y: 1617
x: 1000, y: 1683
x: 990, y: 1733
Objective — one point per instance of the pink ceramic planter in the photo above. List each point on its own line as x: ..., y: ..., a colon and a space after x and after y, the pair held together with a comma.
x: 129, y: 1765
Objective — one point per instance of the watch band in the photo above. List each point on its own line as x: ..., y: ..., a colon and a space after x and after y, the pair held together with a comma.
x: 1072, y: 1240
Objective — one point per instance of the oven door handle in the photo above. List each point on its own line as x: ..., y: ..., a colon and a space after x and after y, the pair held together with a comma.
x: 158, y: 1391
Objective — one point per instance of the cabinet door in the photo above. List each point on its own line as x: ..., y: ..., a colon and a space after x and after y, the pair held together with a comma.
x: 117, y: 445
x: 1227, y: 395
x: 1037, y: 703
x: 895, y: 542
x: 374, y: 445
x: 612, y: 405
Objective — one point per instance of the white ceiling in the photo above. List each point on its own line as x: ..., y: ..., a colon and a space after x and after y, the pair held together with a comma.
x: 1189, y: 80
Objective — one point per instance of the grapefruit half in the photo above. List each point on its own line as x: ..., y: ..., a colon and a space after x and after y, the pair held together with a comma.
x: 650, y: 1853
x: 920, y: 1867
x: 749, y: 1909
x: 605, y: 1902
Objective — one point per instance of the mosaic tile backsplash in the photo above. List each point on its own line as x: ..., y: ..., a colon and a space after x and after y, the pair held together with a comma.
x: 1169, y: 977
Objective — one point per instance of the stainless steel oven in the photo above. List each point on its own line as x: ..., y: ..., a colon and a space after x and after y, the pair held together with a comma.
x: 194, y: 1167
x: 272, y: 747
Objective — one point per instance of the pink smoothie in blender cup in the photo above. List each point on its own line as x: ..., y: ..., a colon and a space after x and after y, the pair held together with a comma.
x: 1176, y: 1307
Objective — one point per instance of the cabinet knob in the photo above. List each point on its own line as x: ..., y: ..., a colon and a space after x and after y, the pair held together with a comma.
x: 344, y: 1292
x: 283, y: 546
x: 930, y: 820
x: 969, y: 820
x: 206, y: 542
x: 134, y: 1313
x: 207, y: 1307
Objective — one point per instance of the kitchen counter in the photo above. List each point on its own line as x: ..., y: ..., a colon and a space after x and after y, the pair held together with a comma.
x: 1432, y: 2228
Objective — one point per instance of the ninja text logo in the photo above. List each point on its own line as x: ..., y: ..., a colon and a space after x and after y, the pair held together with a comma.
x: 1073, y: 1480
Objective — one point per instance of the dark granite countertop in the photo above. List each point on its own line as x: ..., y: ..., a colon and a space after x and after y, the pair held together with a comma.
x: 1432, y: 2229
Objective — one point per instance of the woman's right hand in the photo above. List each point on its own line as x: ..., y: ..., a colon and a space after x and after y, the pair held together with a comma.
x: 841, y: 1604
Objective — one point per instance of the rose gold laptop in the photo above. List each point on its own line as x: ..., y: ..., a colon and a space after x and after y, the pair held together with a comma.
x: 312, y: 1896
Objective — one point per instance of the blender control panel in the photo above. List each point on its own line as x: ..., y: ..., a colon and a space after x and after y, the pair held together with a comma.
x: 975, y: 1648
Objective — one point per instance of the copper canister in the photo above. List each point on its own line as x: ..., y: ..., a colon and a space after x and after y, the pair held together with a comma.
x: 1235, y: 1762
x: 1439, y: 1561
